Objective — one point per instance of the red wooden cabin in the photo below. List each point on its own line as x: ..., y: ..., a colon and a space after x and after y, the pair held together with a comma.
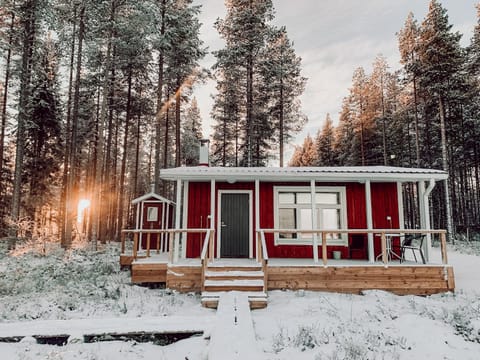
x: 237, y: 203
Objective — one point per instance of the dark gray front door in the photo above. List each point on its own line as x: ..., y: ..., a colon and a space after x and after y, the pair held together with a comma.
x: 234, y: 225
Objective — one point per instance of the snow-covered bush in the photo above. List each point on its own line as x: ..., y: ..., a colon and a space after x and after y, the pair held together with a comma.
x: 78, y: 283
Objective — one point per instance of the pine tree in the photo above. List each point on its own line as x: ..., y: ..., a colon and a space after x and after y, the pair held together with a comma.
x: 192, y: 134
x: 325, y: 144
x: 305, y: 155
x: 282, y: 85
x: 43, y: 136
x: 441, y: 60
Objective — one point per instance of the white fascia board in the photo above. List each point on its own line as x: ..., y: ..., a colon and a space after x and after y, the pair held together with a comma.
x: 269, y: 174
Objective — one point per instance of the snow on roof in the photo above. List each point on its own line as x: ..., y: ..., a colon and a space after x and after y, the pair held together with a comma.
x: 149, y: 196
x: 347, y: 173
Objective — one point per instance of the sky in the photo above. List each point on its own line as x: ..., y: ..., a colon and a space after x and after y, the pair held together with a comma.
x: 333, y: 38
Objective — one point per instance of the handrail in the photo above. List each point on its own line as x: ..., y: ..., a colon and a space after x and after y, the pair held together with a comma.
x: 204, y: 261
x: 263, y: 256
x: 264, y: 246
x: 205, y: 245
x: 149, y: 232
x: 382, y: 232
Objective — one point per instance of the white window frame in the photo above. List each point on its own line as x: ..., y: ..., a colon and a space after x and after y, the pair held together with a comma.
x: 341, y: 190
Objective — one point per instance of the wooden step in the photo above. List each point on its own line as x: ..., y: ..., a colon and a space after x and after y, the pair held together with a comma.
x: 214, y: 268
x: 257, y: 299
x: 235, y: 284
x: 235, y: 274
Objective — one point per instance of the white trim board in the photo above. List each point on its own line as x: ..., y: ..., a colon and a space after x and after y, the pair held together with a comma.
x: 250, y: 218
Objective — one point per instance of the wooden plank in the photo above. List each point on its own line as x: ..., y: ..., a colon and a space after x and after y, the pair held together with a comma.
x: 450, y: 279
x: 420, y: 280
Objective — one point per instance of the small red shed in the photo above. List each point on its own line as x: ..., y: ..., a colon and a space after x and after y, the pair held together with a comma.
x: 239, y: 203
x: 153, y: 212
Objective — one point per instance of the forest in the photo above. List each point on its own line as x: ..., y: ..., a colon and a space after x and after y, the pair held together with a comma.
x: 96, y: 96
x: 425, y: 114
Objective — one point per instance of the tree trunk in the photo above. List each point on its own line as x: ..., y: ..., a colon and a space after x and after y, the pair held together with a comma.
x: 448, y: 210
x: 30, y: 9
x: 159, y: 111
x: 417, y: 135
x: 178, y: 147
x: 66, y: 163
x: 5, y: 91
x: 121, y: 194
x: 72, y: 192
x: 281, y: 122
x: 96, y: 202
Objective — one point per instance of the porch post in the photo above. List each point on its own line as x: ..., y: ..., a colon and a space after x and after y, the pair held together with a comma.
x: 212, y: 209
x: 401, y: 216
x: 161, y: 236
x: 185, y: 218
x: 257, y: 216
x: 428, y: 226
x: 368, y: 200
x: 314, y: 221
x: 177, y: 220
x: 421, y: 203
x: 142, y: 210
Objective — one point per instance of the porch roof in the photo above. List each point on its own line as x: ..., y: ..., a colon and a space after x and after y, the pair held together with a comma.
x: 294, y: 174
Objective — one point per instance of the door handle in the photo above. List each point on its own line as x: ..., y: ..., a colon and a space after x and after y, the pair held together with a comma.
x: 223, y: 224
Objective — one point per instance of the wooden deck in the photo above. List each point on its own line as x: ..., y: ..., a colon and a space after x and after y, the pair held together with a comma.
x: 347, y: 276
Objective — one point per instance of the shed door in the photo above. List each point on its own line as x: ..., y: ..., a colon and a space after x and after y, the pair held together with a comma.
x: 234, y: 225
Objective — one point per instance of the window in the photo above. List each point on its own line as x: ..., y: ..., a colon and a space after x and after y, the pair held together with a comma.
x: 152, y: 213
x: 293, y: 210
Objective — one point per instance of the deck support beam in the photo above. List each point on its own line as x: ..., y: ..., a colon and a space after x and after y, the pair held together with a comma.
x: 368, y: 200
x: 177, y: 220
x: 314, y: 221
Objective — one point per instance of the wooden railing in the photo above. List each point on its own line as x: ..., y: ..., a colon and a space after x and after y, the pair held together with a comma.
x: 262, y: 255
x: 170, y: 237
x: 207, y: 253
x: 382, y: 232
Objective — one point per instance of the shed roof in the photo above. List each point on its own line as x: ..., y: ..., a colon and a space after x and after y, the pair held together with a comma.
x: 324, y: 174
x: 149, y: 196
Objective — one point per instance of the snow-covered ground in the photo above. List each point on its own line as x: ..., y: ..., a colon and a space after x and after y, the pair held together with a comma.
x: 87, y: 289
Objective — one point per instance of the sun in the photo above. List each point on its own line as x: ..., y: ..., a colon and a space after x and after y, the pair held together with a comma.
x: 83, y: 204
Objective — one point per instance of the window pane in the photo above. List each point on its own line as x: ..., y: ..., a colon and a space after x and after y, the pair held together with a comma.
x: 328, y: 198
x: 304, y: 198
x: 152, y: 213
x: 331, y: 221
x: 286, y: 198
x: 305, y: 222
x: 287, y: 220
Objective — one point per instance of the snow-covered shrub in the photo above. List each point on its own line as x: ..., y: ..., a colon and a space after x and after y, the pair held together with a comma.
x: 280, y: 340
x: 306, y: 337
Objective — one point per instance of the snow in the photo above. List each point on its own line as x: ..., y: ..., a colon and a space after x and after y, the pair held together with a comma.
x: 82, y: 291
x: 233, y: 336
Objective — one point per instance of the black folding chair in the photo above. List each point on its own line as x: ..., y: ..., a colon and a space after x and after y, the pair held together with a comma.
x: 413, y: 243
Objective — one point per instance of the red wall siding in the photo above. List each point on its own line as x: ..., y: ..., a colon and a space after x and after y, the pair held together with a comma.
x: 152, y: 224
x: 384, y: 202
x: 197, y: 215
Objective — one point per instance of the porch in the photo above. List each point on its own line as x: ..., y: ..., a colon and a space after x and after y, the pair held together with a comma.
x: 212, y: 275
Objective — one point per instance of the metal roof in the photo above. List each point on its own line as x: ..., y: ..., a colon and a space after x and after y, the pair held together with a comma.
x: 324, y: 174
